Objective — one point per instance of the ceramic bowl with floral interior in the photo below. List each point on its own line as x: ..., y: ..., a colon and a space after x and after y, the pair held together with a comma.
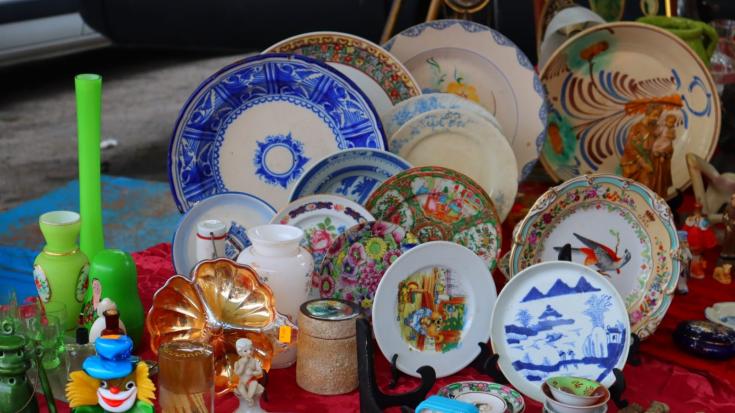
x: 617, y: 227
x: 551, y: 405
x: 476, y: 392
x: 465, y: 142
x: 357, y: 259
x: 438, y: 203
x: 482, y: 65
x: 378, y: 73
x: 432, y: 308
x: 629, y: 99
x: 322, y: 218
x: 576, y: 391
x: 559, y: 317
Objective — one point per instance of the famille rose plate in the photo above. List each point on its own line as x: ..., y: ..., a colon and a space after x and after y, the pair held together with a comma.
x: 238, y: 211
x: 629, y: 99
x: 559, y: 318
x: 353, y: 174
x: 410, y: 108
x: 465, y: 142
x: 357, y: 259
x: 482, y: 65
x: 616, y: 227
x: 432, y: 307
x: 323, y: 218
x: 436, y: 203
x: 477, y: 392
x: 376, y: 72
x: 257, y: 124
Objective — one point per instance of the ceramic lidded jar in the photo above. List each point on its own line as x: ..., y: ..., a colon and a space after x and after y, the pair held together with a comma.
x: 280, y: 261
x: 61, y: 270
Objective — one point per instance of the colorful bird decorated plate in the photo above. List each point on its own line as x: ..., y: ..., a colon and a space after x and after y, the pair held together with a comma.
x: 323, y: 218
x: 438, y: 203
x: 432, y: 308
x: 629, y: 99
x: 475, y: 391
x: 616, y: 227
x: 258, y: 124
x: 376, y: 72
x: 357, y: 259
x: 480, y: 64
x: 465, y: 142
x: 237, y: 210
x: 559, y: 318
x: 353, y: 174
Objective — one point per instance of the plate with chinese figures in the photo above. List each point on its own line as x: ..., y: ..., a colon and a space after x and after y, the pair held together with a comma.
x: 257, y: 124
x: 629, y: 99
x: 376, y: 72
x: 353, y: 174
x: 433, y: 306
x: 323, y: 218
x: 357, y: 259
x: 616, y: 227
x: 466, y: 143
x: 478, y: 393
x: 237, y: 210
x: 436, y: 203
x: 559, y: 318
x: 482, y: 65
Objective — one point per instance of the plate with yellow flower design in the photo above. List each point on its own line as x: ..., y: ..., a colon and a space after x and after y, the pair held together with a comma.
x: 378, y: 73
x: 357, y: 259
x: 482, y: 65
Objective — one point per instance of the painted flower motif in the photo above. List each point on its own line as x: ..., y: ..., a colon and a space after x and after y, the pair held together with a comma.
x: 547, y: 217
x: 320, y: 241
x: 462, y: 89
x: 636, y: 316
x: 356, y: 254
x: 376, y: 248
x: 532, y: 238
x: 336, y: 245
x: 391, y: 256
x: 315, y: 279
x: 326, y: 286
x: 366, y: 303
x: 339, y: 207
x: 310, y: 207
x: 381, y: 228
x: 370, y: 277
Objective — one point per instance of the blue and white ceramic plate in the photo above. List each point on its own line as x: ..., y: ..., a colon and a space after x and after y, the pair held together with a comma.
x: 482, y: 65
x: 721, y: 313
x: 353, y: 174
x: 238, y: 211
x: 559, y: 318
x: 410, y: 108
x: 258, y: 124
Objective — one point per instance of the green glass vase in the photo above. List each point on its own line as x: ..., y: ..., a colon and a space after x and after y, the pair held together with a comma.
x: 60, y: 270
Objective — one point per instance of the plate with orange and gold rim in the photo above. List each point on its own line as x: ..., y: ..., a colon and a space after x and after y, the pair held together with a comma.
x: 433, y: 306
x: 628, y: 99
x: 436, y: 203
x: 378, y: 73
x: 615, y: 226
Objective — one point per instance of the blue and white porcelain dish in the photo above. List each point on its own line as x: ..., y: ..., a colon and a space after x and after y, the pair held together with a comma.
x: 353, y: 174
x: 237, y: 210
x: 721, y: 313
x: 559, y: 318
x: 482, y: 65
x: 259, y: 123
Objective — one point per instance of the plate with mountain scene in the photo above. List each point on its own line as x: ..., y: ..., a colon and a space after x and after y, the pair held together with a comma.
x: 615, y: 226
x: 559, y: 318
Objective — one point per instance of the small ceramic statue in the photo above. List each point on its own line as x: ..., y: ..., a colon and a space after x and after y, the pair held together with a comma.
x: 100, y: 323
x: 701, y: 237
x: 112, y: 381
x: 722, y: 274
x: 686, y: 259
x: 249, y: 369
x: 727, y: 254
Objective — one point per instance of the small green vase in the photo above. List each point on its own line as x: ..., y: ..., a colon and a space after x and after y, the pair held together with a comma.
x: 60, y: 270
x: 700, y: 36
x: 113, y: 275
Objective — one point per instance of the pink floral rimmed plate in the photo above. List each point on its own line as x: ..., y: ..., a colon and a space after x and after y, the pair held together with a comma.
x: 615, y: 226
x: 357, y: 259
x: 628, y: 99
x: 438, y: 203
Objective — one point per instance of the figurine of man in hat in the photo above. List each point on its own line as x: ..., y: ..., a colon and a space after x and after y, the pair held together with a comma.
x: 112, y: 381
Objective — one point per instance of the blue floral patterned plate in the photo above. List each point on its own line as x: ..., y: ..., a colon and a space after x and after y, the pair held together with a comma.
x: 238, y: 211
x: 559, y: 318
x: 258, y: 124
x: 353, y: 174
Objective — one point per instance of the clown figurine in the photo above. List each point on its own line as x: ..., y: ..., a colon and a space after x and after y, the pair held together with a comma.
x: 249, y: 370
x: 111, y: 381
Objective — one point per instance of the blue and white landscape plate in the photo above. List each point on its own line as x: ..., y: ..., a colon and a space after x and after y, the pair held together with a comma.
x: 353, y: 174
x: 559, y: 318
x: 258, y: 124
x: 238, y: 211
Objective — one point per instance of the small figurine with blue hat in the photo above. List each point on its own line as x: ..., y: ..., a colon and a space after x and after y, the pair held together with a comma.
x: 112, y: 381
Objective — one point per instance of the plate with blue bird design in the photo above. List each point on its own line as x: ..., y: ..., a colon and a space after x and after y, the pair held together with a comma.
x: 258, y: 124
x: 353, y: 174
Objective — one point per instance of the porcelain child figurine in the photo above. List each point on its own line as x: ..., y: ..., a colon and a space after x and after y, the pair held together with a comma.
x: 727, y: 255
x: 686, y: 259
x: 249, y: 369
